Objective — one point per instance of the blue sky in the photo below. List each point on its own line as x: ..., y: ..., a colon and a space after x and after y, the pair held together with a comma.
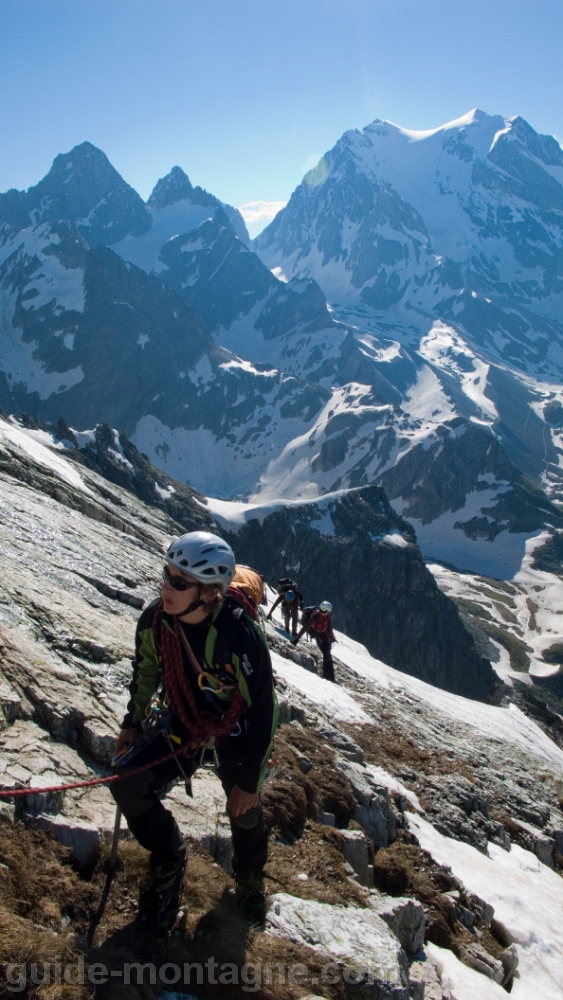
x: 246, y: 95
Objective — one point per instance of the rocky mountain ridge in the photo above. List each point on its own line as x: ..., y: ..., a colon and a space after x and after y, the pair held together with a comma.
x: 354, y: 544
x: 141, y: 359
x: 441, y: 250
x: 463, y: 347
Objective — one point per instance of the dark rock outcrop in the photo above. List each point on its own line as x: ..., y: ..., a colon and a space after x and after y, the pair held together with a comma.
x: 370, y: 567
x: 467, y: 458
x: 176, y: 186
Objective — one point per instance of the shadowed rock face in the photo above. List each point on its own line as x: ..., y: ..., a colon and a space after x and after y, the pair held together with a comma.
x: 466, y: 458
x: 83, y: 187
x: 371, y: 569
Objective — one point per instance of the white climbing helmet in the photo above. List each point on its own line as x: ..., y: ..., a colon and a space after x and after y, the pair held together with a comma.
x: 325, y: 607
x: 204, y: 556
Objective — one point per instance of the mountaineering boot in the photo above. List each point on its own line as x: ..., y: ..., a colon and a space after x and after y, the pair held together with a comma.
x: 250, y: 895
x: 159, y: 897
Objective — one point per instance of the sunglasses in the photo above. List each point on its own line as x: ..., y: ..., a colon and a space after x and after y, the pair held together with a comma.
x: 176, y: 582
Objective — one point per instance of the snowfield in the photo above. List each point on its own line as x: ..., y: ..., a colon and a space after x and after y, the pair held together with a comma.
x: 503, y: 724
x: 37, y: 445
x: 506, y: 725
x: 174, y: 220
x: 528, y: 901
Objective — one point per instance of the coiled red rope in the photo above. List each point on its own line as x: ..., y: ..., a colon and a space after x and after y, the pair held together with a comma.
x: 179, y: 692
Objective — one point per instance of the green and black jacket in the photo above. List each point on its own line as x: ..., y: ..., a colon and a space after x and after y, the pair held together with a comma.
x: 234, y: 649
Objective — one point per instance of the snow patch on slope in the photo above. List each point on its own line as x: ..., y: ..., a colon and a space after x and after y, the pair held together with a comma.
x: 232, y: 515
x: 527, y: 897
x: 508, y: 725
x: 175, y: 220
x: 441, y: 540
x: 444, y: 348
x: 18, y: 364
x: 428, y: 400
x: 51, y: 279
x: 458, y: 981
x: 335, y: 701
x: 217, y: 466
x: 19, y: 438
x: 535, y: 601
x: 290, y: 473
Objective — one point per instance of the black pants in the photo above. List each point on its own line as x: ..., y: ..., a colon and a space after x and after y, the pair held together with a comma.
x: 324, y: 644
x: 155, y: 827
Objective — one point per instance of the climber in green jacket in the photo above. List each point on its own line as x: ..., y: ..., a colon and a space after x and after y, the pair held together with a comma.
x: 207, y: 660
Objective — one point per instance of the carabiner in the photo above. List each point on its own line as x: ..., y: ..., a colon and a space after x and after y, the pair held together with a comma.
x: 213, y: 764
x: 221, y: 687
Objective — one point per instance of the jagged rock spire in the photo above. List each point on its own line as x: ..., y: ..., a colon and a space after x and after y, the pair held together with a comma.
x: 168, y: 190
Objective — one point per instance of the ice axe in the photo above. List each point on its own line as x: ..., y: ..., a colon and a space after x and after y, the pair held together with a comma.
x: 109, y: 879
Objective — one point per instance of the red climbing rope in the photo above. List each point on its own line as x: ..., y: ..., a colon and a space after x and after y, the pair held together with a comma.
x: 127, y: 773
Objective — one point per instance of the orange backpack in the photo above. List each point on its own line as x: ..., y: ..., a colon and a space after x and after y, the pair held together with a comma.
x: 250, y: 583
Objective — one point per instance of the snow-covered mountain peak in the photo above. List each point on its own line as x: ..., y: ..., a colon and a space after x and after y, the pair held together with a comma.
x: 475, y: 117
x: 411, y: 159
x: 176, y: 186
x: 396, y: 219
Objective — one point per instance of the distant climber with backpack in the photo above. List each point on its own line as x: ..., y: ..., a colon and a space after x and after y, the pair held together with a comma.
x: 291, y: 601
x: 207, y: 661
x: 316, y: 622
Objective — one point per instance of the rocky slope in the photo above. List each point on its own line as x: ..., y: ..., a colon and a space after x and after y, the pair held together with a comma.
x: 393, y: 604
x: 516, y: 625
x: 444, y: 803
